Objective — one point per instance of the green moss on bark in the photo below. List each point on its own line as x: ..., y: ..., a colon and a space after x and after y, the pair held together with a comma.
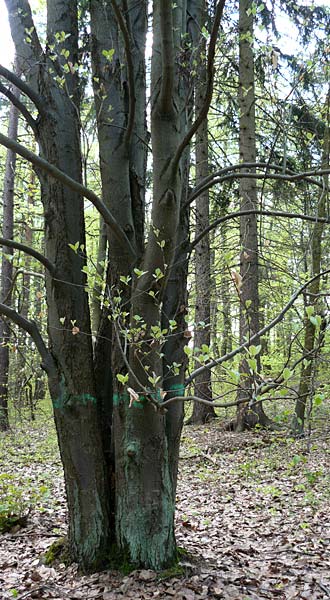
x: 58, y: 552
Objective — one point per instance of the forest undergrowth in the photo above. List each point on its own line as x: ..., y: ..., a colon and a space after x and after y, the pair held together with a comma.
x: 252, y: 519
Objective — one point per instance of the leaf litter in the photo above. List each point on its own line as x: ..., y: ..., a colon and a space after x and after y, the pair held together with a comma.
x: 252, y: 518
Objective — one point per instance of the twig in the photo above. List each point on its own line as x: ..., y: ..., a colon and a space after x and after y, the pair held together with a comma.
x: 25, y: 88
x: 21, y: 107
x: 257, y: 335
x: 31, y: 252
x: 31, y: 328
x: 265, y: 213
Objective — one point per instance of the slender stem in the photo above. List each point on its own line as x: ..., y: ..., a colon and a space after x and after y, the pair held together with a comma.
x: 215, y: 178
x: 31, y: 328
x: 31, y: 252
x: 25, y: 88
x: 16, y: 102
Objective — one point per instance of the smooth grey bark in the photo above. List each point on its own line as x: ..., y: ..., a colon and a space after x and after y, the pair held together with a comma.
x: 247, y: 287
x: 123, y: 167
x: 6, y: 262
x: 100, y: 267
x: 145, y: 499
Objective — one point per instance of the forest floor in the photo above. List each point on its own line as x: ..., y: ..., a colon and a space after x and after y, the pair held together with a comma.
x: 253, y: 515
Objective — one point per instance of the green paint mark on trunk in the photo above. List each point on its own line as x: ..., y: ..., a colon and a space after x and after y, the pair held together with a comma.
x: 65, y: 400
x: 179, y: 388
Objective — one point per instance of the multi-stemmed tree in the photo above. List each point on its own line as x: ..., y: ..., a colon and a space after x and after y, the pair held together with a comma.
x: 118, y: 446
x: 117, y: 403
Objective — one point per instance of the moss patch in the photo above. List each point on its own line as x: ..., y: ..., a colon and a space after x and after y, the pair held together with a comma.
x: 176, y: 570
x: 119, y: 560
x: 57, y: 552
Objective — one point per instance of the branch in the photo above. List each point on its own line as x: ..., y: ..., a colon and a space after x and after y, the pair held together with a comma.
x: 166, y: 33
x: 202, y: 401
x: 25, y: 88
x: 74, y: 185
x: 20, y: 272
x: 130, y: 70
x: 27, y: 250
x: 31, y: 328
x: 288, y: 175
x: 209, y: 88
x: 257, y: 335
x: 21, y: 107
x: 266, y: 213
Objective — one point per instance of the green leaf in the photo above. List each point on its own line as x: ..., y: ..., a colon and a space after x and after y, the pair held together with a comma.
x: 318, y: 399
x: 286, y: 374
x: 122, y: 378
x: 125, y: 279
x: 139, y: 273
x: 108, y: 54
x: 316, y: 321
x: 252, y: 364
x: 254, y: 350
x: 187, y: 350
x: 309, y: 311
x: 158, y: 274
x: 74, y: 247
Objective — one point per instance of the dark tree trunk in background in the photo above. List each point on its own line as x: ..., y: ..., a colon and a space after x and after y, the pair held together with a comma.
x: 249, y: 276
x: 309, y: 349
x: 202, y: 334
x: 6, y: 264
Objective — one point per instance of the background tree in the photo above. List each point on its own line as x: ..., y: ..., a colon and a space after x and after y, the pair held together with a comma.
x: 7, y: 265
x: 202, y: 335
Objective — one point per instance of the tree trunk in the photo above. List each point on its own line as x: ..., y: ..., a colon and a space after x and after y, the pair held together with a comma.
x: 120, y: 462
x: 72, y: 382
x: 7, y: 265
x: 309, y: 349
x: 202, y: 334
x: 248, y: 284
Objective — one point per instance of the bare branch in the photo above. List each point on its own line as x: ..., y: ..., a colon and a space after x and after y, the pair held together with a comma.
x: 25, y: 88
x: 20, y: 272
x: 266, y: 213
x: 201, y: 401
x: 220, y: 176
x: 21, y: 107
x: 31, y: 328
x: 31, y: 252
x: 130, y: 70
x: 256, y: 336
x: 74, y: 185
x: 209, y: 89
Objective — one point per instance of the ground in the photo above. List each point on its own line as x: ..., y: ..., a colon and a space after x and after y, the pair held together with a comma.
x: 253, y: 516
